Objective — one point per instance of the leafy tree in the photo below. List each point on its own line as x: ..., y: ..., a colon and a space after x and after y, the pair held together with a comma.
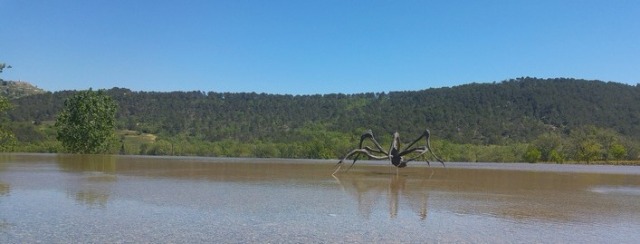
x: 161, y: 147
x: 547, y: 143
x: 617, y: 151
x: 86, y: 123
x: 7, y: 139
x: 555, y: 156
x: 532, y: 155
x: 588, y: 151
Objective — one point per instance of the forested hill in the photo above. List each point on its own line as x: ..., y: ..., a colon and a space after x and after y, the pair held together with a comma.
x: 509, y: 111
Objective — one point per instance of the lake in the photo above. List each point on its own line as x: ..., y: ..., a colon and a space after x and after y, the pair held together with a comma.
x: 79, y: 198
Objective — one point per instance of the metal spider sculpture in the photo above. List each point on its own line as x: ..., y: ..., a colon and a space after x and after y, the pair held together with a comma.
x: 394, y: 154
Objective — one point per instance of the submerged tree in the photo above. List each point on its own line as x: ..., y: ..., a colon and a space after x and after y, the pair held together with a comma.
x: 87, y: 122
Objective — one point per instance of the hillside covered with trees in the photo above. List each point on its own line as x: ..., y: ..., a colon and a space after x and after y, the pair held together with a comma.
x: 522, y: 117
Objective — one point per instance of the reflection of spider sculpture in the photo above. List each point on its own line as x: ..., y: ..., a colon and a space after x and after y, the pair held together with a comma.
x: 398, y: 189
x: 394, y: 154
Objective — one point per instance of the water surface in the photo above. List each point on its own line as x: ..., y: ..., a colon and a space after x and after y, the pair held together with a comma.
x: 71, y: 198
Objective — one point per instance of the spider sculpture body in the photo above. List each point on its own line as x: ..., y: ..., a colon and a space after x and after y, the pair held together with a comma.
x: 398, y: 157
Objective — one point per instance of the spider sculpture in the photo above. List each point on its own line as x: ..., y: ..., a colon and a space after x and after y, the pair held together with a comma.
x: 399, y: 158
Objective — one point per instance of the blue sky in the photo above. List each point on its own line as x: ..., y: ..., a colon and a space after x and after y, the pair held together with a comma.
x: 314, y: 47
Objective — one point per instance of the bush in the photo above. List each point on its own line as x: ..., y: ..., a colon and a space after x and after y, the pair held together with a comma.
x: 532, y: 155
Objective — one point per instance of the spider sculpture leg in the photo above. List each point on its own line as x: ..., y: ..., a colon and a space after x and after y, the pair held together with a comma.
x: 368, y: 151
x: 358, y: 152
x: 421, y: 150
x: 371, y: 154
x: 369, y: 135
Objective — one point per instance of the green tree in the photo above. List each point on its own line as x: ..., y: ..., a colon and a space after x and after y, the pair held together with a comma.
x: 7, y: 139
x: 617, y: 151
x: 555, y: 156
x: 547, y: 143
x: 87, y: 122
x: 161, y: 147
x: 532, y: 155
x: 589, y: 150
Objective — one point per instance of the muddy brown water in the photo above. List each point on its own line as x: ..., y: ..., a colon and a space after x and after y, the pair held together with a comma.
x: 74, y: 198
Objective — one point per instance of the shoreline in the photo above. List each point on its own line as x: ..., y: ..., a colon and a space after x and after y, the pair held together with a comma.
x: 519, y: 166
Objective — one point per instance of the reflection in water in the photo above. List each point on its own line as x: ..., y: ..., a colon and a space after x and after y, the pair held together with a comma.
x: 526, y: 196
x: 96, y: 173
x: 521, y: 196
x: 617, y: 190
x: 517, y: 195
x: 367, y: 189
x: 77, y: 198
x: 85, y: 162
x: 5, y: 159
x: 92, y: 198
x: 5, y: 188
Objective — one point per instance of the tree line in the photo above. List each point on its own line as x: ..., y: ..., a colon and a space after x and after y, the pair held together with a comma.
x: 513, y: 116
